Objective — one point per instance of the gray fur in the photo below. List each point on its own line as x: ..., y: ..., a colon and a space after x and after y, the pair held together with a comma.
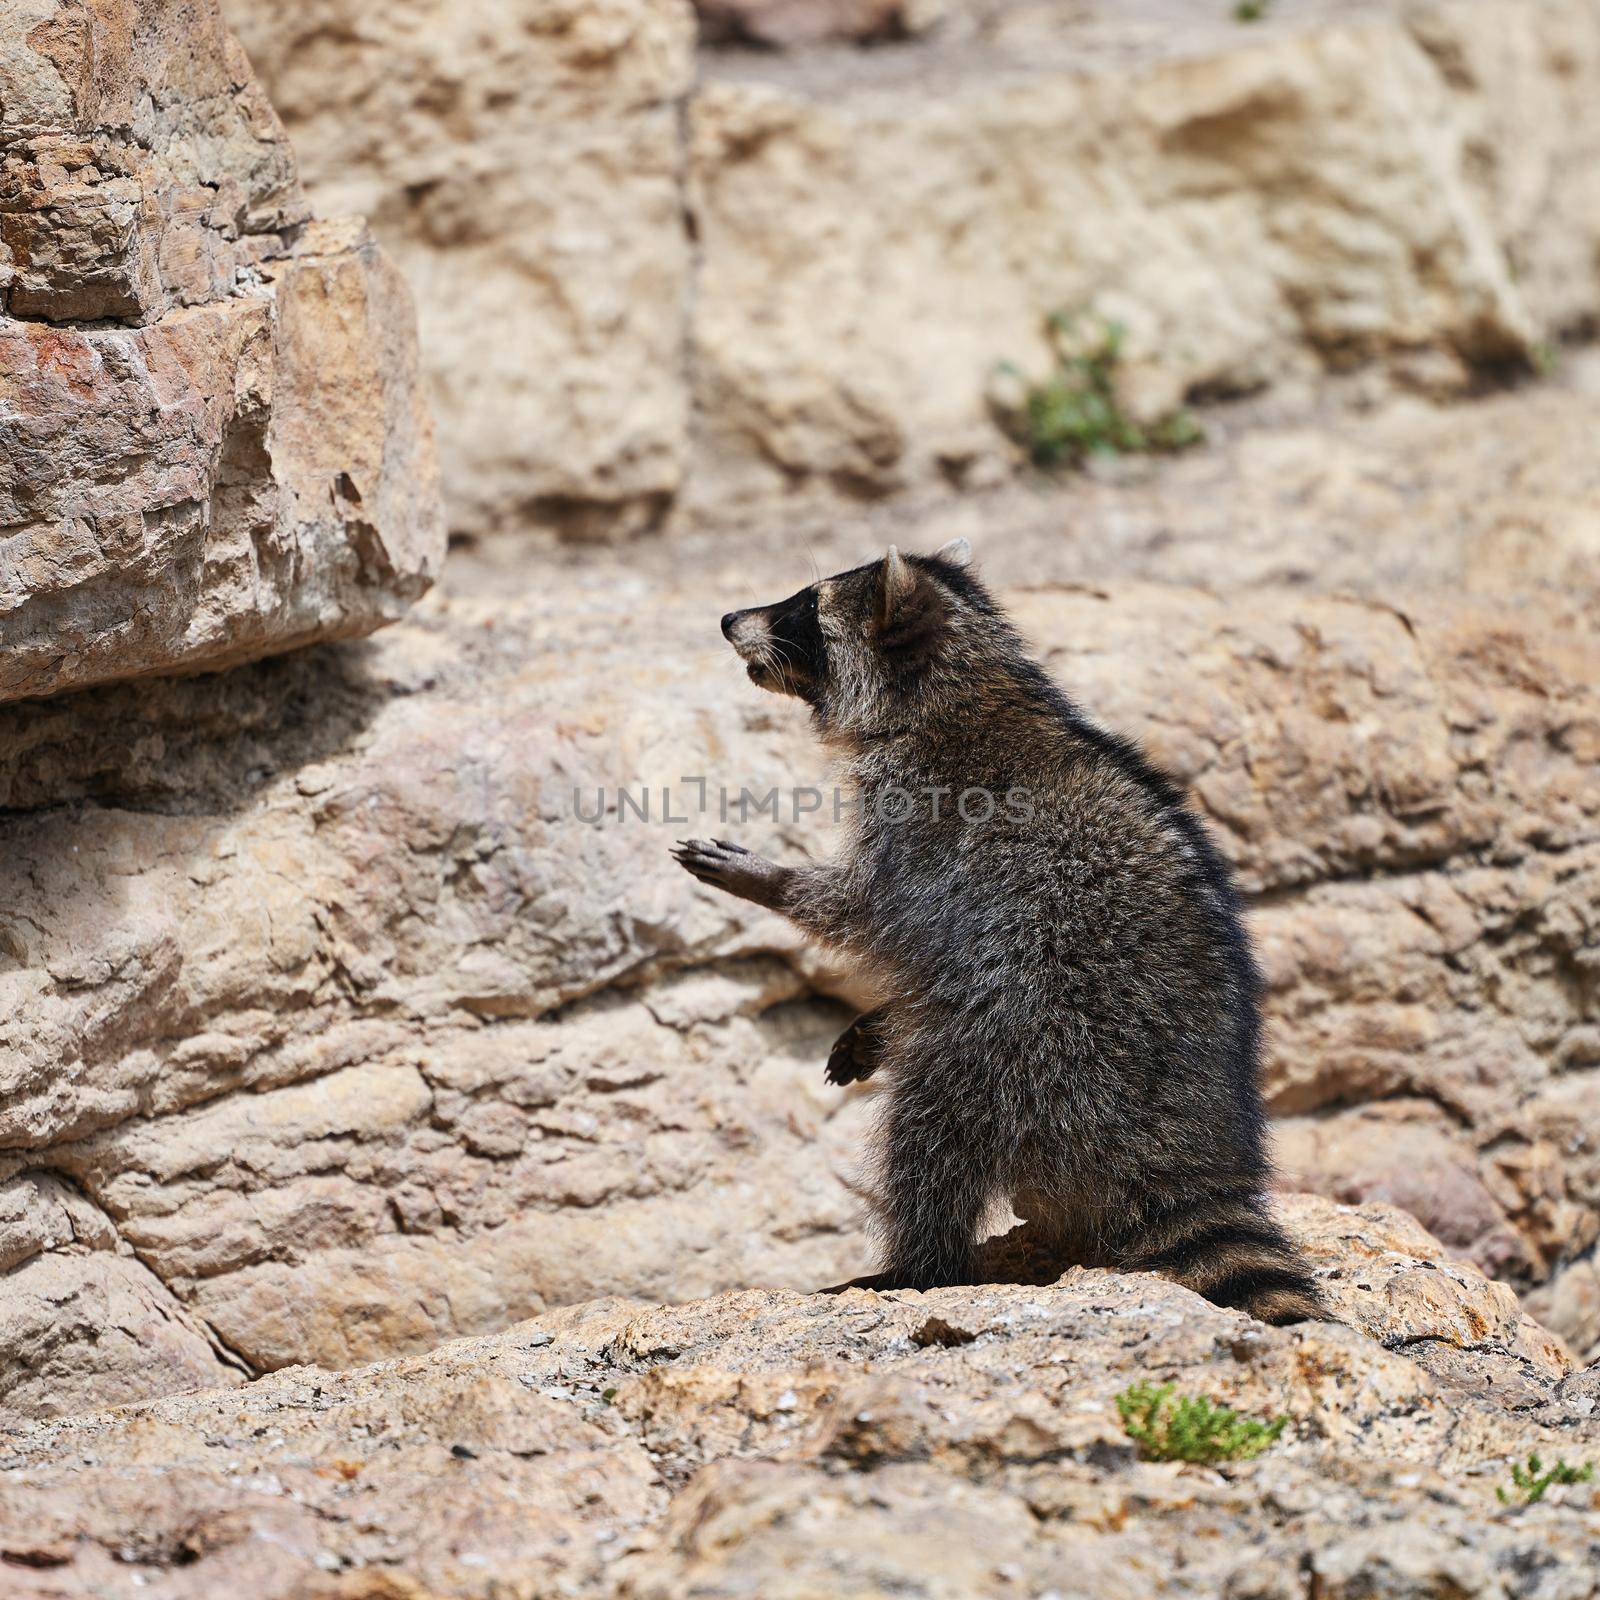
x: 1074, y: 1026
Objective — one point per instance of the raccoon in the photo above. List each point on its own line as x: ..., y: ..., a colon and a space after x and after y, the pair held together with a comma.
x: 1074, y: 1016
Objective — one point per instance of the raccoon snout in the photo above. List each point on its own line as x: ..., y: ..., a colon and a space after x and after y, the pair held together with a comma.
x: 746, y: 631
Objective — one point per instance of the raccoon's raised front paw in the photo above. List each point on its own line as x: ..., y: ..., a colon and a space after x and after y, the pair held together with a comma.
x: 732, y: 868
x: 854, y: 1057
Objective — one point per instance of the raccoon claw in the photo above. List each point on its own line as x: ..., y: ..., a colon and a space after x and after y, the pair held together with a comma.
x: 732, y: 868
x: 878, y: 1282
x: 854, y: 1057
x: 706, y: 859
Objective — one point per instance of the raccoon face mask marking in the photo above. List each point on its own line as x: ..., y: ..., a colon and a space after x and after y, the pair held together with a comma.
x: 889, y: 614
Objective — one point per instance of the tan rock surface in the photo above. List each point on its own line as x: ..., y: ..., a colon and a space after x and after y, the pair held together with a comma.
x: 1255, y: 204
x: 959, y: 1443
x: 794, y: 274
x: 70, y: 1284
x: 1489, y: 498
x: 366, y: 1051
x: 141, y: 167
x: 523, y: 164
x: 320, y: 990
x: 248, y: 465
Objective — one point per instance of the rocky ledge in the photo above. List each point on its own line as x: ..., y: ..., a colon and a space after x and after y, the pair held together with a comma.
x: 729, y: 280
x: 963, y: 1442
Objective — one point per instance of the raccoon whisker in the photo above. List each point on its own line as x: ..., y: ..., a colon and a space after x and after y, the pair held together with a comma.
x: 772, y: 659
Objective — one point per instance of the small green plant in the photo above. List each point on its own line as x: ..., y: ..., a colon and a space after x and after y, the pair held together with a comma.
x: 1167, y: 1426
x: 1528, y: 1483
x: 1251, y: 10
x: 1075, y: 413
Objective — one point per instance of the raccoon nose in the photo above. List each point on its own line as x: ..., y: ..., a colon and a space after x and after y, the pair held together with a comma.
x: 727, y: 624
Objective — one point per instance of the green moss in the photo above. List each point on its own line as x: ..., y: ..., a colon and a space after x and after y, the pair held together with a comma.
x: 1528, y: 1483
x: 1075, y: 412
x: 1167, y: 1426
x: 1251, y: 10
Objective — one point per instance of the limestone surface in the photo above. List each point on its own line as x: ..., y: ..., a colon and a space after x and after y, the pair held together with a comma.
x: 964, y: 1442
x: 357, y: 992
x: 1335, y: 186
x: 769, y: 276
x: 141, y: 167
x: 213, y: 443
x: 524, y: 166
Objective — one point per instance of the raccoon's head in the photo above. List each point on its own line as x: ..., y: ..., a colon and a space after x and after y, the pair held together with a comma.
x: 864, y: 647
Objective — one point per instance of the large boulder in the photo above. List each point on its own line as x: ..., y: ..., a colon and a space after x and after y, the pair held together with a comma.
x: 964, y: 1442
x: 141, y: 167
x: 212, y: 438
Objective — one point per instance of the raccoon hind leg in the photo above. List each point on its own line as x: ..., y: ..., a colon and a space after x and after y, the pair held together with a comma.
x: 939, y: 1169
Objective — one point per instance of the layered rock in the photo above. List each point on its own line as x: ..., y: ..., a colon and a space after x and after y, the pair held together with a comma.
x: 322, y: 989
x: 366, y: 1062
x: 964, y: 1441
x: 212, y: 439
x: 73, y: 1286
x: 524, y: 166
x: 820, y: 259
x: 1257, y: 206
x: 141, y: 167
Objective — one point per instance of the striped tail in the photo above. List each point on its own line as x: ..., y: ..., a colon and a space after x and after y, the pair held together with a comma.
x: 1235, y: 1254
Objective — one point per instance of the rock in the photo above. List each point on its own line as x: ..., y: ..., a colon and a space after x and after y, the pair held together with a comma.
x: 787, y: 1445
x: 525, y: 169
x: 1255, y: 205
x: 69, y: 1287
x: 247, y: 465
x: 141, y: 167
x: 144, y: 1341
x: 468, y: 1055
x: 821, y: 257
x: 437, y: 1116
x: 1492, y: 498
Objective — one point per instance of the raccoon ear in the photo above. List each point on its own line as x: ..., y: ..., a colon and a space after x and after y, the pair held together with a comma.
x: 899, y: 583
x: 911, y: 610
x: 958, y: 553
